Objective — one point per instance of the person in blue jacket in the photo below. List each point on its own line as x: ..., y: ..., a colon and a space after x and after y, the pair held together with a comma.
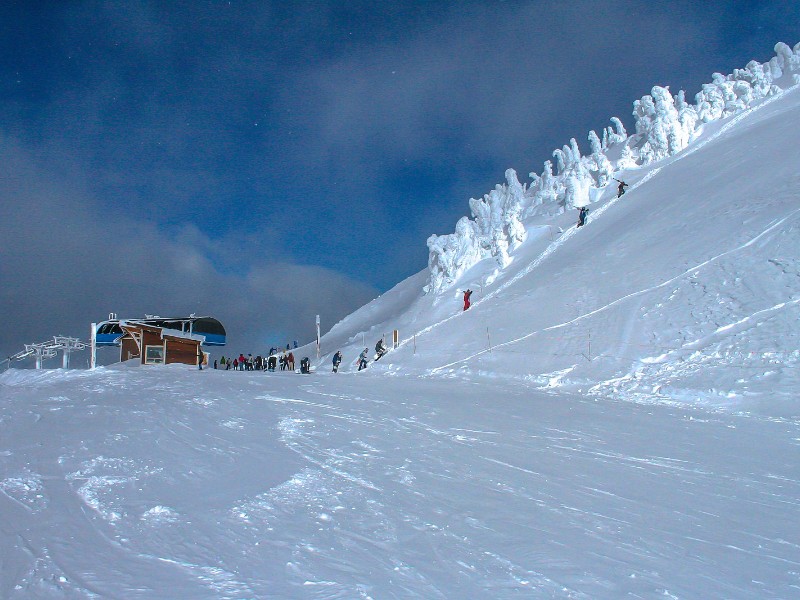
x: 362, y: 359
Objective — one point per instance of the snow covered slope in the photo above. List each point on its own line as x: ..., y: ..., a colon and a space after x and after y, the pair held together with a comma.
x: 143, y: 483
x: 684, y: 289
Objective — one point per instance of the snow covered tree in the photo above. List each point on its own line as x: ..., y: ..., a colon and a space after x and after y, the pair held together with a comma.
x: 599, y: 164
x: 615, y: 135
x: 659, y: 123
x: 451, y: 255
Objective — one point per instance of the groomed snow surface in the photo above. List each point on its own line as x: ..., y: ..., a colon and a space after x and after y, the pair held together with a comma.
x: 169, y: 483
x: 615, y: 417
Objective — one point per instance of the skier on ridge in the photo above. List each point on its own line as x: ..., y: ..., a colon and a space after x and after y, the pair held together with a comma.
x: 582, y: 216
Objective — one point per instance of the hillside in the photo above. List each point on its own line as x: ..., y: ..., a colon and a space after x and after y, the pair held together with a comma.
x: 684, y: 289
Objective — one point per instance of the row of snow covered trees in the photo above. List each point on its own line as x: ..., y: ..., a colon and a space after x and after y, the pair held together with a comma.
x: 665, y: 125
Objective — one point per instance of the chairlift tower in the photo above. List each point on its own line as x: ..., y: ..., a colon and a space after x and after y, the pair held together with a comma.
x: 67, y: 345
x: 40, y: 352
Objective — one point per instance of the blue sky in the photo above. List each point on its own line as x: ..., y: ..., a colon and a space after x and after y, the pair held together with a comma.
x: 264, y: 162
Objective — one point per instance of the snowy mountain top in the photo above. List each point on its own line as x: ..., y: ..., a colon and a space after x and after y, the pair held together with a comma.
x: 665, y: 126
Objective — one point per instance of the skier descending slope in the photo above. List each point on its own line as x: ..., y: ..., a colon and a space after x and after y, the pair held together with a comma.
x: 467, y: 295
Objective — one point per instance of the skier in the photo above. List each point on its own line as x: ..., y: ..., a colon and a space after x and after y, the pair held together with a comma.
x: 467, y: 294
x: 305, y: 365
x: 582, y: 216
x: 272, y: 361
x: 362, y: 359
x: 380, y: 349
x: 621, y: 187
x: 337, y: 360
x: 199, y: 358
x: 290, y: 361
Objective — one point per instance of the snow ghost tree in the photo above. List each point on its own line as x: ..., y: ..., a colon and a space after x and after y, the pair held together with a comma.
x: 659, y: 125
x: 615, y: 135
x: 573, y: 169
x: 599, y: 164
x: 451, y: 255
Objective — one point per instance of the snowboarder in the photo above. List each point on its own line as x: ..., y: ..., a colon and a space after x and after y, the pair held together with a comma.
x: 582, y: 216
x: 467, y: 294
x: 380, y: 349
x: 337, y: 360
x: 272, y: 362
x: 305, y: 365
x: 362, y: 359
x: 621, y: 187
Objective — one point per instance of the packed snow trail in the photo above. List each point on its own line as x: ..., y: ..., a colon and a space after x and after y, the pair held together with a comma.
x: 242, y: 485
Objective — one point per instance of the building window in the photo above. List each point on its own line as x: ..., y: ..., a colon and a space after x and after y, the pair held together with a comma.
x: 154, y: 355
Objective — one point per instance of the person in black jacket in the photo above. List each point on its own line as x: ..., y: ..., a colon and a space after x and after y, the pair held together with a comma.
x: 380, y: 349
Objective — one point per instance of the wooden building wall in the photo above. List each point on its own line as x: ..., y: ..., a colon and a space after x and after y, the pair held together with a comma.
x: 129, y: 349
x: 181, y: 351
x: 175, y: 349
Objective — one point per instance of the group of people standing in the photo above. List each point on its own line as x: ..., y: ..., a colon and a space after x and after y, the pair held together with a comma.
x: 250, y: 363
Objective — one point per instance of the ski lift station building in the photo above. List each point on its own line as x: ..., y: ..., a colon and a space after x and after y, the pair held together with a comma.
x: 156, y: 340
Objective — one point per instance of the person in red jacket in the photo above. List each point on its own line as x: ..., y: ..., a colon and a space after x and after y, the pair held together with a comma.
x: 467, y: 294
x: 290, y: 361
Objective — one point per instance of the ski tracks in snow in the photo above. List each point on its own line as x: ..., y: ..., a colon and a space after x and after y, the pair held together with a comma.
x: 572, y: 231
x: 771, y: 228
x: 370, y: 485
